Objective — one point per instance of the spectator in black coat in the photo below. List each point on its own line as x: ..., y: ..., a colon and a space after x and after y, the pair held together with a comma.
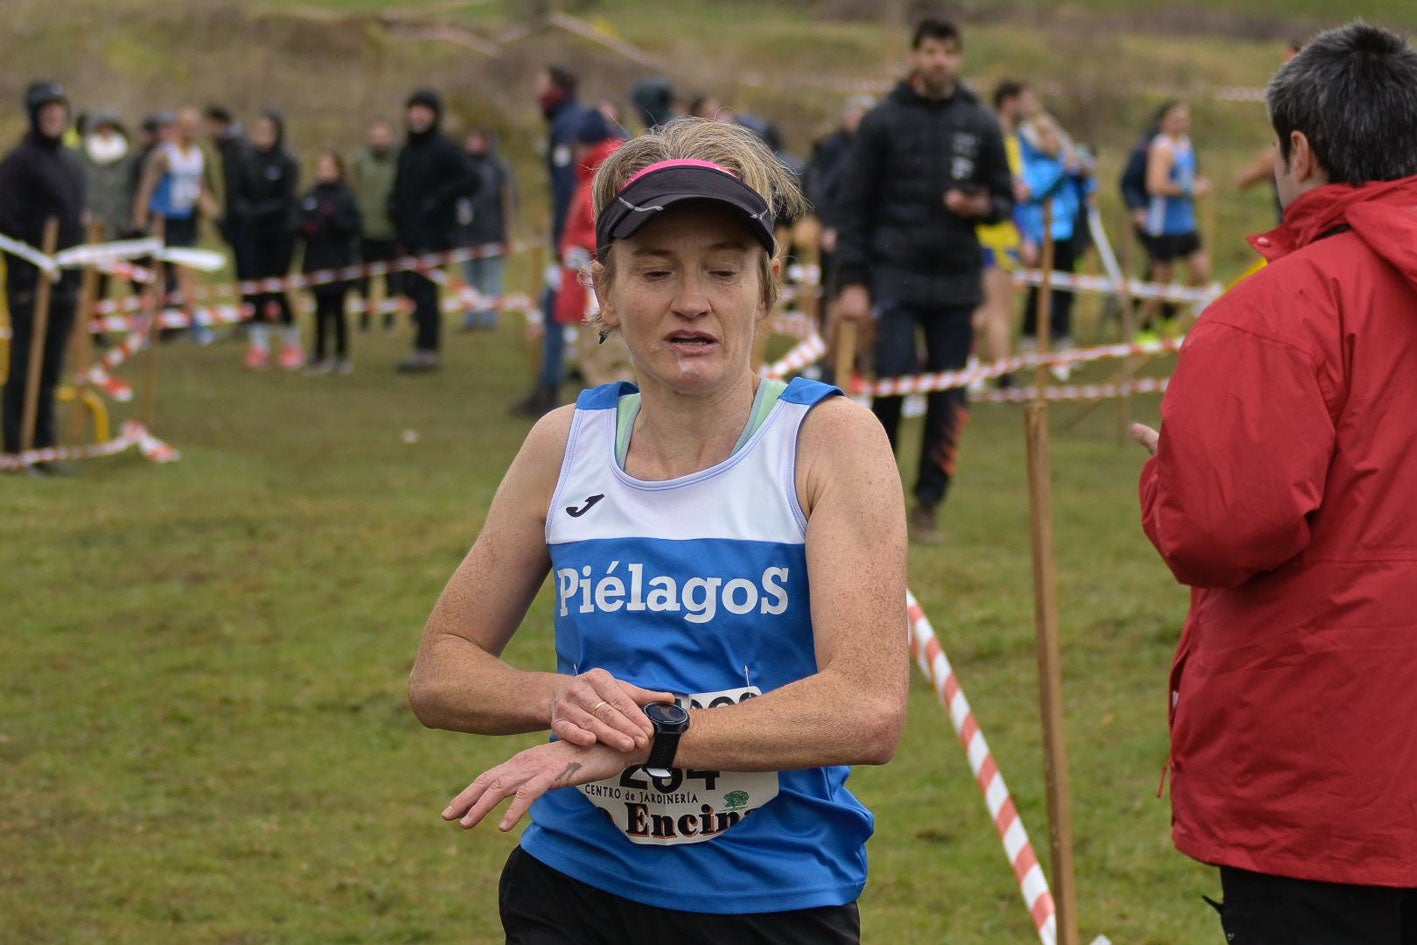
x: 822, y: 181
x: 233, y: 151
x: 329, y: 226
x: 433, y: 173
x: 269, y: 191
x: 39, y: 180
x: 927, y: 166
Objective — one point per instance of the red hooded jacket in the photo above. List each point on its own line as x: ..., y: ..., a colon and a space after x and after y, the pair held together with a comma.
x: 1284, y: 491
x: 573, y: 298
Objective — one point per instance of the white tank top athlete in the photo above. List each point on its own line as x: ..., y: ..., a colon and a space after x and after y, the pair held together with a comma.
x: 697, y: 586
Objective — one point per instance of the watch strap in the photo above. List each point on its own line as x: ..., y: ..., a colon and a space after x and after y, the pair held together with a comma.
x: 661, y: 754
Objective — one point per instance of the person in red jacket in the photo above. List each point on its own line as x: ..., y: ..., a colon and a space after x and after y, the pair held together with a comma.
x: 600, y: 361
x: 1283, y: 490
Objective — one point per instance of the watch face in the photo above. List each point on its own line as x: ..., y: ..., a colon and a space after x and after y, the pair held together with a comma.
x: 667, y: 713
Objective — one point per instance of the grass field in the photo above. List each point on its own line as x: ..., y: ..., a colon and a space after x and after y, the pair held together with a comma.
x: 203, y: 731
x: 202, y: 722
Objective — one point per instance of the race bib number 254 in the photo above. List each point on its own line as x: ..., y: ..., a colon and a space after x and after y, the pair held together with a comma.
x: 689, y: 806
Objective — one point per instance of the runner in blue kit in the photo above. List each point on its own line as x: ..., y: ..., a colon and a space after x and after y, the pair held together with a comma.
x: 1168, y: 225
x: 728, y: 560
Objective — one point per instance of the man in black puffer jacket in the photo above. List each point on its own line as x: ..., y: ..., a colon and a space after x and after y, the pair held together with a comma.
x: 433, y: 173
x: 39, y: 180
x: 926, y: 166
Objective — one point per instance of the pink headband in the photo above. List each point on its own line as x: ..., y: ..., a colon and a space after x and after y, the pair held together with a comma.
x: 682, y: 162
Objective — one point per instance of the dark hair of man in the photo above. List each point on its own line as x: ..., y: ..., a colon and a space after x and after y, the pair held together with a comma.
x: 932, y: 28
x: 1352, y: 91
x: 563, y: 79
x: 1005, y: 90
x: 218, y: 113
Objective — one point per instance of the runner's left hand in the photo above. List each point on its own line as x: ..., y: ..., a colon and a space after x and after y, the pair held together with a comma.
x: 531, y: 773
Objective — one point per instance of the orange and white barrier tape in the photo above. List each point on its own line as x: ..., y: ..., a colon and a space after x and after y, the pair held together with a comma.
x: 813, y: 348
x: 930, y: 656
x: 463, y: 299
x: 796, y: 324
x: 1073, y: 392
x: 207, y: 316
x: 140, y: 336
x: 132, y: 434
x: 807, y: 353
x: 1200, y: 296
x: 100, y: 374
x: 425, y: 264
x: 948, y: 380
x: 116, y: 388
x: 123, y: 269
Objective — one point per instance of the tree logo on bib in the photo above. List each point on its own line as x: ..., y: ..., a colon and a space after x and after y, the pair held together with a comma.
x: 680, y: 808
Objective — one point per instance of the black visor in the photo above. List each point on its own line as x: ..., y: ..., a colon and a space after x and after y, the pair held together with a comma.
x: 660, y: 186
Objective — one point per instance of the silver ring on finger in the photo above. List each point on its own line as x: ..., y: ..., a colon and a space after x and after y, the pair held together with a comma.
x: 596, y: 708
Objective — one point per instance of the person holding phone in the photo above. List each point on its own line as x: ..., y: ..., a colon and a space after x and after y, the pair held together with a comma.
x: 926, y: 167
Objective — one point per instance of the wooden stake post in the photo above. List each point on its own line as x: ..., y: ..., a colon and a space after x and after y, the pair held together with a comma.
x: 38, y: 330
x: 1129, y: 327
x: 845, y: 353
x: 81, y: 341
x: 1045, y: 605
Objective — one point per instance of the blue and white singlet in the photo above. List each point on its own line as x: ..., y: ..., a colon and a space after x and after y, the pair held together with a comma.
x: 698, y: 586
x: 1173, y: 216
x: 180, y: 188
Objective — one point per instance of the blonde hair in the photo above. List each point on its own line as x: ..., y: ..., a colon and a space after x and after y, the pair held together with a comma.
x: 730, y: 146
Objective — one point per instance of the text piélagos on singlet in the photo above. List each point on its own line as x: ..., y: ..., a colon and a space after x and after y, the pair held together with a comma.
x: 699, y: 599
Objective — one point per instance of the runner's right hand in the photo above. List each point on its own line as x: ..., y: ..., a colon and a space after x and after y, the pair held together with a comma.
x: 595, y: 707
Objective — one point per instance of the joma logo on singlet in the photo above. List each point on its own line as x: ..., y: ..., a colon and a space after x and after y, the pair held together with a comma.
x: 698, y: 598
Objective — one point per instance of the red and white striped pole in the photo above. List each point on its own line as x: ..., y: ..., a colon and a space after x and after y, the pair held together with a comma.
x: 930, y: 655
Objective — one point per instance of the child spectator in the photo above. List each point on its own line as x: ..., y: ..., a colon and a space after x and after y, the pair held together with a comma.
x: 329, y: 225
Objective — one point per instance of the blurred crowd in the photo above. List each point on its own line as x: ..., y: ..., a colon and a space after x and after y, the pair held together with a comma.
x: 413, y: 190
x: 409, y: 190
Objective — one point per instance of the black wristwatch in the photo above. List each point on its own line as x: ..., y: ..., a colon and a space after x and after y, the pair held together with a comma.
x: 670, y: 720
